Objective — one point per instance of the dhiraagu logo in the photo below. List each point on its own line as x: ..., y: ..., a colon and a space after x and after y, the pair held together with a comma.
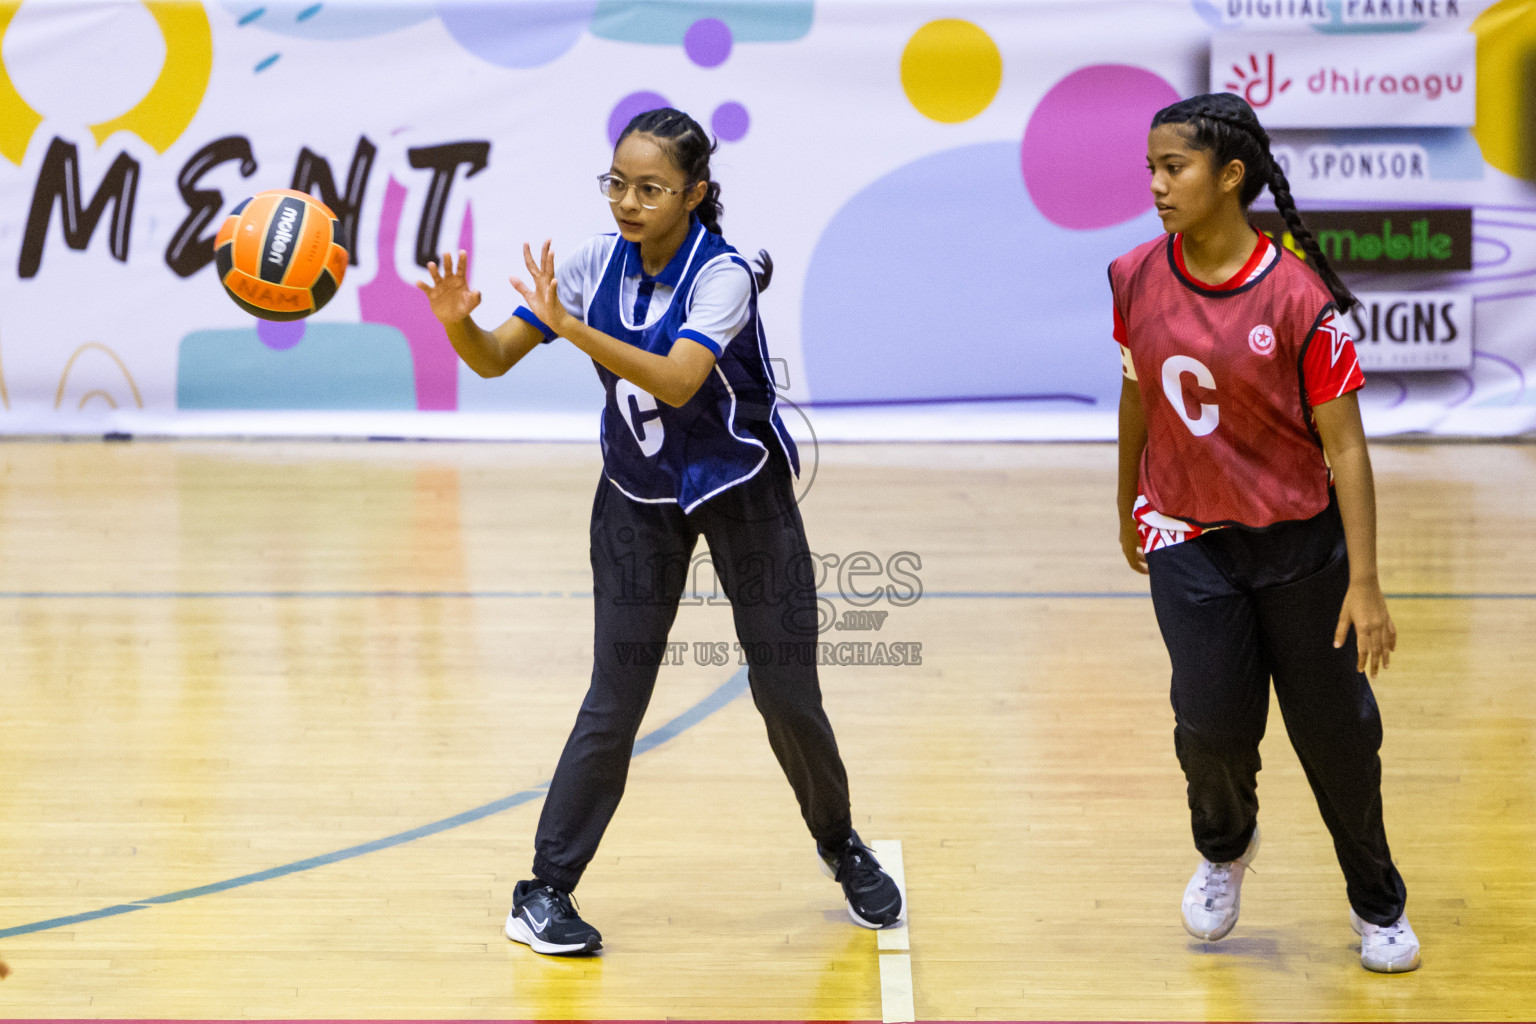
x: 1312, y: 80
x: 1384, y: 241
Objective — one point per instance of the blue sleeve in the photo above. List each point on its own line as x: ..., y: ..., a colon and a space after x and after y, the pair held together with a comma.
x: 720, y: 305
x: 526, y: 315
x: 703, y: 339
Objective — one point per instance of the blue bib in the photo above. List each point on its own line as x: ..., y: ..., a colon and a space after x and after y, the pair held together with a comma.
x: 655, y: 453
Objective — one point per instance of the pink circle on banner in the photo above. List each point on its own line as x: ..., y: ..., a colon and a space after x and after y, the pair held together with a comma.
x: 730, y: 121
x: 708, y: 42
x: 1084, y: 155
x: 625, y: 110
x: 280, y: 335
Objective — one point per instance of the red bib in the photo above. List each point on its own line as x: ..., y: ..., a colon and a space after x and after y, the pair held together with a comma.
x: 1225, y: 375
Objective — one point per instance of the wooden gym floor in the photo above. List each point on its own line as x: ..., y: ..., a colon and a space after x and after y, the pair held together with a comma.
x: 228, y: 666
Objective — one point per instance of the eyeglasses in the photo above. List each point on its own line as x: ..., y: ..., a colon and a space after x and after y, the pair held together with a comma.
x: 650, y: 194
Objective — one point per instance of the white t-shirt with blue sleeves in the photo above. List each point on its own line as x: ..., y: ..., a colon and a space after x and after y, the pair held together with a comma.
x: 719, y: 308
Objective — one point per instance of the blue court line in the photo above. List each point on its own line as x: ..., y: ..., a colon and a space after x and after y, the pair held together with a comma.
x: 723, y: 695
x: 336, y: 595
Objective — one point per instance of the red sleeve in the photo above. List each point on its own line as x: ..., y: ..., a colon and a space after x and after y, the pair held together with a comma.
x: 1330, y: 368
x: 1119, y: 327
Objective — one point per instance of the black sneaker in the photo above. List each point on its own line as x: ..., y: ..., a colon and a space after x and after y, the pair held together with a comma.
x: 545, y: 918
x: 873, y: 899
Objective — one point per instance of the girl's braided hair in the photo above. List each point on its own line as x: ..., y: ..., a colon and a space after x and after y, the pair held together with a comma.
x: 1224, y: 125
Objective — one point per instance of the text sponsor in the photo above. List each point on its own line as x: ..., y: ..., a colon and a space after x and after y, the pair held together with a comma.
x: 1311, y: 80
x: 1382, y: 241
x: 1413, y: 330
x: 1367, y: 164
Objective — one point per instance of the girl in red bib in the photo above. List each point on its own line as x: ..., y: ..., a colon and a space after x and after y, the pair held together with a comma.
x: 1246, y: 493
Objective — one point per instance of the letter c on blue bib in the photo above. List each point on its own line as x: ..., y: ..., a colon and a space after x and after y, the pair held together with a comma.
x: 642, y: 415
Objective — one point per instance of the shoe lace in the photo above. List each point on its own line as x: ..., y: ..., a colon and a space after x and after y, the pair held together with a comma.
x: 858, y: 869
x: 563, y: 903
x: 1217, y: 880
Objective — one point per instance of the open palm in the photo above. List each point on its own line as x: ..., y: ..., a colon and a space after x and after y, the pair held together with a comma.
x: 449, y: 291
x: 543, y: 296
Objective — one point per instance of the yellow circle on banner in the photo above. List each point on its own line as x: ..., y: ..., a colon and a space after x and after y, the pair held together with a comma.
x: 17, y: 120
x: 950, y: 70
x: 1506, y: 109
x: 161, y: 116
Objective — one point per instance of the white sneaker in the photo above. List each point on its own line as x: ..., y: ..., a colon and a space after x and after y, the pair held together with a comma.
x: 1386, y: 949
x: 1215, y: 894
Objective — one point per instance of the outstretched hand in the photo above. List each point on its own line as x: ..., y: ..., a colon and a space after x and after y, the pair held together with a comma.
x: 543, y: 296
x: 449, y: 292
x: 1365, y: 608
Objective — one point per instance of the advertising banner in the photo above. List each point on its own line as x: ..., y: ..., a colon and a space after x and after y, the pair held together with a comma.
x: 940, y: 186
x: 1413, y: 330
x: 1312, y: 80
x: 1384, y: 241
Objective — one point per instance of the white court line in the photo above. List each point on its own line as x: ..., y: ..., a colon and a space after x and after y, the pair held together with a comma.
x: 896, y: 992
x: 888, y: 852
x: 896, y: 989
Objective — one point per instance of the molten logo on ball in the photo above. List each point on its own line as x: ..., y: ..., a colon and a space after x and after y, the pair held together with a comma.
x: 279, y: 255
x: 283, y: 233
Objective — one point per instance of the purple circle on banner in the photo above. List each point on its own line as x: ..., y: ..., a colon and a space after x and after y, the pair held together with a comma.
x: 1084, y: 149
x: 730, y: 121
x: 280, y: 335
x: 708, y: 42
x: 625, y: 110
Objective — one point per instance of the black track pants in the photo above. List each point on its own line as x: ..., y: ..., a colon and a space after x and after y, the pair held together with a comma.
x: 1238, y: 608
x: 640, y: 558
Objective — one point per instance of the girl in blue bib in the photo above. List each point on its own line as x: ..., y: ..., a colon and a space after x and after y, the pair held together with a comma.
x: 693, y: 446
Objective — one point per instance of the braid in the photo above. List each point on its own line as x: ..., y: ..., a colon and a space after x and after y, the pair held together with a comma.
x: 1280, y: 188
x: 690, y: 149
x: 710, y: 208
x: 1226, y: 126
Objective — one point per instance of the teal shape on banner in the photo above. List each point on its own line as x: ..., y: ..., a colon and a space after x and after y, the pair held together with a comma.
x: 665, y: 24
x: 306, y: 19
x: 1337, y: 26
x: 333, y: 366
